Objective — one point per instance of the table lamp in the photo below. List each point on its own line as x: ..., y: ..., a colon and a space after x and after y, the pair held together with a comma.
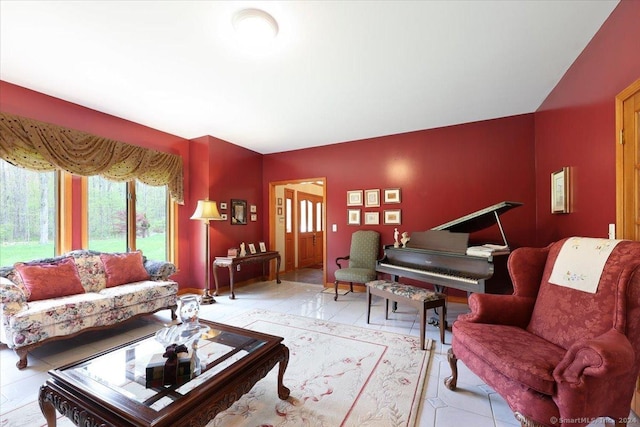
x: 207, y: 210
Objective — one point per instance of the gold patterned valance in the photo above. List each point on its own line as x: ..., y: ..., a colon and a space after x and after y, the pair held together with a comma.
x: 42, y: 147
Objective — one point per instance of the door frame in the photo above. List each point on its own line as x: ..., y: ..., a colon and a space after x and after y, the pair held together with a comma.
x: 273, y: 216
x: 621, y: 203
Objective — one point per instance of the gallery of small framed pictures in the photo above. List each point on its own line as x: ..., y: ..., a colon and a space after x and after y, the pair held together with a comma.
x: 373, y: 198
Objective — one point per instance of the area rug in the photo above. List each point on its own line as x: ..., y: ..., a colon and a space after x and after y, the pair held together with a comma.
x: 339, y: 375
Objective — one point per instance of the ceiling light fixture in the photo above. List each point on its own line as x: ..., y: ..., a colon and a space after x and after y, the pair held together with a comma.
x: 255, y: 27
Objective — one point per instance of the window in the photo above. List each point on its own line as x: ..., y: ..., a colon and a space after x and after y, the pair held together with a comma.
x: 106, y: 215
x: 151, y: 220
x: 288, y: 211
x: 27, y: 214
x: 116, y: 226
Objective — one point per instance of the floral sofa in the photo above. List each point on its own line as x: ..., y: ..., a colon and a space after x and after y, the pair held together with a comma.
x: 49, y: 299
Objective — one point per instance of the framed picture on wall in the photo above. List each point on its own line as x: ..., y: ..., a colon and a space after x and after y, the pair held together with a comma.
x: 372, y: 218
x: 353, y: 216
x: 560, y: 191
x: 238, y: 212
x: 371, y: 198
x: 392, y: 217
x: 392, y: 195
x: 354, y: 198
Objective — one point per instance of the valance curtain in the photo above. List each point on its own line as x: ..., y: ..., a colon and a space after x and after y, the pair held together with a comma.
x: 42, y: 146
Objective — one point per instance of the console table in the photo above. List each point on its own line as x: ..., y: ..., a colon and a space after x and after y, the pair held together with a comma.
x: 231, y: 263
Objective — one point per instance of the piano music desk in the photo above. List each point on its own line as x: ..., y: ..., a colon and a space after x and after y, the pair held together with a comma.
x: 420, y: 298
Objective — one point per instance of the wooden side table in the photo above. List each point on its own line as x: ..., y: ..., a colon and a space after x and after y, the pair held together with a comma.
x: 231, y: 263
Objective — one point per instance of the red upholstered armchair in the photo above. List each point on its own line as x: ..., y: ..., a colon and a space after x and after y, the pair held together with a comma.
x: 564, y: 349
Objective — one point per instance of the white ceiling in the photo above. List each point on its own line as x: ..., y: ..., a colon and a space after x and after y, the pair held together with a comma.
x: 338, y: 71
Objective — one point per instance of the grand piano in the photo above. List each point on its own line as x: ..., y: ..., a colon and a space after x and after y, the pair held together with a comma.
x: 442, y: 256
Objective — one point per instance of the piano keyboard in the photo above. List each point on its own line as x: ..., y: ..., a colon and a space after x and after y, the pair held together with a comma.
x: 462, y: 279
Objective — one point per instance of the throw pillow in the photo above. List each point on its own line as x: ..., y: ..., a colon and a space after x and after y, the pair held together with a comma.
x: 124, y: 268
x: 53, y: 279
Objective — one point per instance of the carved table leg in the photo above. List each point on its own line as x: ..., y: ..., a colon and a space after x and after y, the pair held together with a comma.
x: 232, y: 295
x: 215, y: 278
x: 278, y: 269
x: 47, y: 408
x: 283, y: 392
x: 452, y: 381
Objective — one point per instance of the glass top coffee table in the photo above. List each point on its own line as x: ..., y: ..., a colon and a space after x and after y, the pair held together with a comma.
x: 115, y: 387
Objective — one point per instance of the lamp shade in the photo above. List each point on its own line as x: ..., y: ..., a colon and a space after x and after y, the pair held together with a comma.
x: 206, y: 210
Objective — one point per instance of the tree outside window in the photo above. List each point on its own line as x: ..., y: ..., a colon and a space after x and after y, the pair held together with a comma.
x: 27, y: 214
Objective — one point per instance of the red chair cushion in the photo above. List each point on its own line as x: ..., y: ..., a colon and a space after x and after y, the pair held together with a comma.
x: 516, y: 353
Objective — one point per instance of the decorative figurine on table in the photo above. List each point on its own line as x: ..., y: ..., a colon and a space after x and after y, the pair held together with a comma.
x: 396, y: 244
x: 405, y: 238
x: 243, y: 252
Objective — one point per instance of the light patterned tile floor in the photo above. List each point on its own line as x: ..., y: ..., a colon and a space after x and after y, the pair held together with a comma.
x: 474, y: 403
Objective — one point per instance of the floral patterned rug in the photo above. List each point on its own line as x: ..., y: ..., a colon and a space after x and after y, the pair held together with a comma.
x: 339, y: 375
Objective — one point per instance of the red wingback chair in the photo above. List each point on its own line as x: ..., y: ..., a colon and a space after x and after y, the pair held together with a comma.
x: 557, y: 355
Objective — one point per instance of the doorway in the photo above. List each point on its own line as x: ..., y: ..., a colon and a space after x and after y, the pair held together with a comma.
x: 296, y: 228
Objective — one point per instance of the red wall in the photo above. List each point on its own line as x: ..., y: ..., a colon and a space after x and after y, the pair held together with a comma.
x: 575, y: 126
x: 442, y: 173
x: 223, y: 171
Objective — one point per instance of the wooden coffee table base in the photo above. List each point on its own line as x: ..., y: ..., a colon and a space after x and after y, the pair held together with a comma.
x: 70, y: 402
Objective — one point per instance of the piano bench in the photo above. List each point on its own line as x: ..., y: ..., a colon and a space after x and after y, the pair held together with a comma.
x: 420, y: 298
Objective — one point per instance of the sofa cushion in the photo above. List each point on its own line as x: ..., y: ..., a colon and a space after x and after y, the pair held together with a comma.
x: 518, y: 354
x: 91, y: 271
x: 57, y: 310
x: 54, y: 279
x: 136, y: 293
x: 124, y: 268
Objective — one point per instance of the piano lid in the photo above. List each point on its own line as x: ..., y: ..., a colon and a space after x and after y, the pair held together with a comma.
x: 479, y: 220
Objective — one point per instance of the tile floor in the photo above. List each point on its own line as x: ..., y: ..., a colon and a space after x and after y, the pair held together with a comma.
x: 474, y: 404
